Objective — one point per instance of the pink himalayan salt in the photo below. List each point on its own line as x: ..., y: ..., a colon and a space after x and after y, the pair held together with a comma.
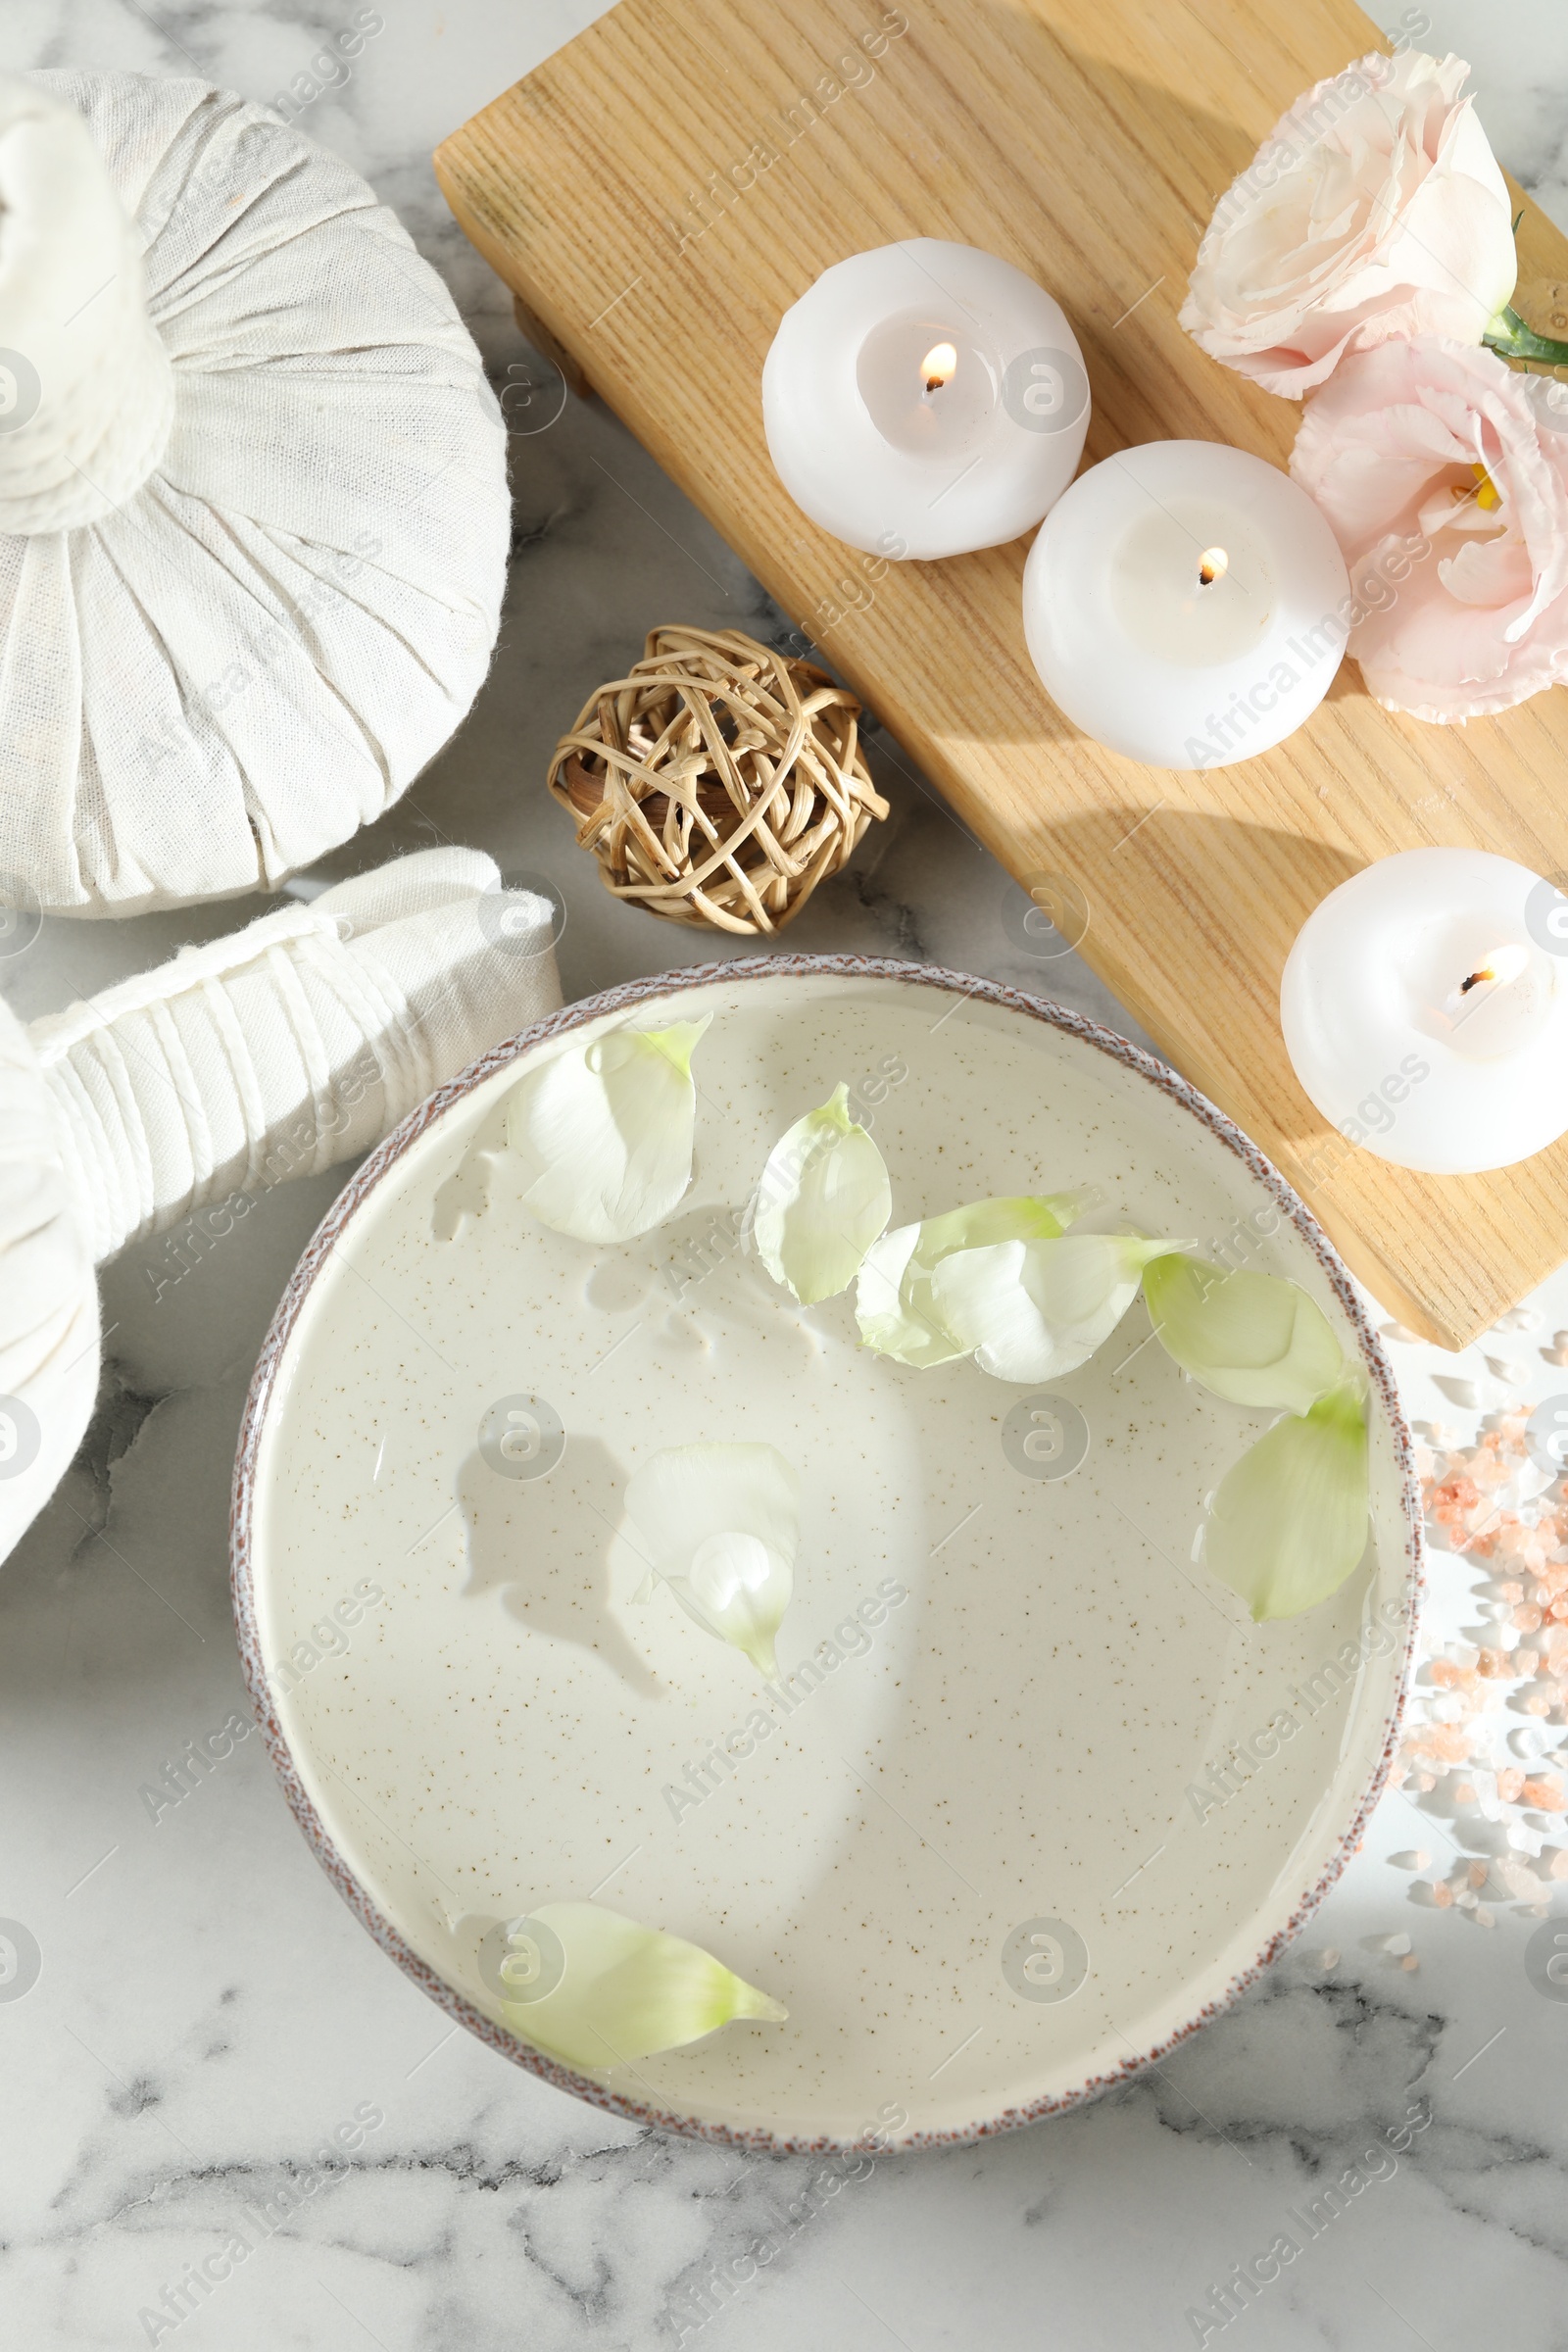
x: 1544, y: 1796
x: 1451, y: 1499
x: 1441, y: 1742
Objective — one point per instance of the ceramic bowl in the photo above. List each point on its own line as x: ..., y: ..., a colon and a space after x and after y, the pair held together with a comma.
x: 1001, y: 1841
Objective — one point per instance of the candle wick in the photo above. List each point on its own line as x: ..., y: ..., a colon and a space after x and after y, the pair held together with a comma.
x: 1474, y: 981
x: 1212, y: 565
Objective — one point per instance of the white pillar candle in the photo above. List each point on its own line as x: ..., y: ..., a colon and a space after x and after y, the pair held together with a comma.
x: 925, y: 400
x: 1186, y: 603
x: 1425, y: 1011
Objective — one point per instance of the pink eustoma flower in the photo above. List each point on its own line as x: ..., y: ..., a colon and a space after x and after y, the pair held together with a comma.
x: 1443, y: 474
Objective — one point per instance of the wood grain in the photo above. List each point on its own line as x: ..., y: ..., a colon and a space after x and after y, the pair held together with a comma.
x: 662, y: 189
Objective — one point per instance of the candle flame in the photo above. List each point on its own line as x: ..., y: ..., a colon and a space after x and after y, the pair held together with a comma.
x: 939, y: 365
x: 1478, y: 987
x: 1505, y: 965
x: 1212, y: 564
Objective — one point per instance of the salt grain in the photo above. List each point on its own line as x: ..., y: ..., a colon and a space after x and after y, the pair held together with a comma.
x: 1412, y: 1859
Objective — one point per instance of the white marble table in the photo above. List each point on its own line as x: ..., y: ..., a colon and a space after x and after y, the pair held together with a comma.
x: 208, y: 2013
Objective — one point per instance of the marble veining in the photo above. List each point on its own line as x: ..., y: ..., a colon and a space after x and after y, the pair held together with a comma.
x: 208, y: 2018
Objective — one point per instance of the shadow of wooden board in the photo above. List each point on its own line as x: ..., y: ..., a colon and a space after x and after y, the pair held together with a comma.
x: 660, y: 190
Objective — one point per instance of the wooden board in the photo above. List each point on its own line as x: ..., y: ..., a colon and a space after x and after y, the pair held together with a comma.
x: 661, y: 189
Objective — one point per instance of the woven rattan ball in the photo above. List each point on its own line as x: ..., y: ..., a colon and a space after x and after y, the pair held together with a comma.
x: 719, y: 783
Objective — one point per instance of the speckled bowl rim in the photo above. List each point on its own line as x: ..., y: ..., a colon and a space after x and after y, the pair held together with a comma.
x: 624, y: 999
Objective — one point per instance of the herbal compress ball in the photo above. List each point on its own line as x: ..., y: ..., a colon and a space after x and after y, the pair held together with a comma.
x: 253, y: 503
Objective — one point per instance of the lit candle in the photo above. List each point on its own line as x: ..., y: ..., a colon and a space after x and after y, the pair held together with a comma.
x: 1186, y: 603
x: 925, y: 400
x: 1425, y: 1011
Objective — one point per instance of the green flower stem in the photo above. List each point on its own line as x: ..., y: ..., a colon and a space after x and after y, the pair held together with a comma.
x: 1514, y: 340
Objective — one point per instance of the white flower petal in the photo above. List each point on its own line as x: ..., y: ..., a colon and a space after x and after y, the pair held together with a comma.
x: 1254, y: 1338
x: 1033, y: 1311
x: 894, y: 1307
x: 605, y: 1132
x: 721, y: 1524
x: 1288, y: 1522
x: 891, y: 1321
x: 619, y: 1990
x: 739, y: 1588
x: 822, y: 1201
